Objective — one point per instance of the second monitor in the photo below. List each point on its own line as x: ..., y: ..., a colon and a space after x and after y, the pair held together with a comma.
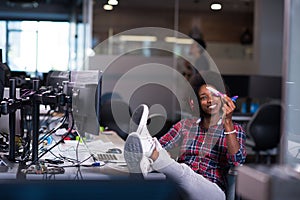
x: 86, y: 101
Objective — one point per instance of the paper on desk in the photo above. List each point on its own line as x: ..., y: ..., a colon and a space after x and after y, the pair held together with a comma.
x: 70, y: 147
x: 94, y: 146
x: 100, y: 146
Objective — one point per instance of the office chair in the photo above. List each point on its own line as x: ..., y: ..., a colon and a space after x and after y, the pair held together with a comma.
x: 264, y: 128
x: 231, y: 184
x: 115, y: 115
x: 156, y: 125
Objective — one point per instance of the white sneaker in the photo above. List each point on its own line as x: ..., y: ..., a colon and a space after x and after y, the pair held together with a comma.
x: 139, y: 120
x: 140, y: 145
x: 139, y: 125
x: 137, y: 151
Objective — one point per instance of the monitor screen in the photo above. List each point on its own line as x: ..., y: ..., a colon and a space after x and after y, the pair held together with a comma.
x: 237, y: 84
x: 265, y: 87
x: 86, y: 103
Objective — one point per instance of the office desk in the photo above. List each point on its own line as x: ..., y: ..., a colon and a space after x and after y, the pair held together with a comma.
x: 82, y: 152
x: 242, y: 118
x: 110, y: 181
x: 90, y: 190
x: 238, y: 117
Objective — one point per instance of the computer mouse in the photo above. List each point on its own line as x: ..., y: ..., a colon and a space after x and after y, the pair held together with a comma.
x: 114, y: 150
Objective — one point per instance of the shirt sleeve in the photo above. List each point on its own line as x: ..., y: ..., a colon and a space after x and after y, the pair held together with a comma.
x: 240, y: 157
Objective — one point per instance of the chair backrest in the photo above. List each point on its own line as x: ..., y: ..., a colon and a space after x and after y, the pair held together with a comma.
x: 265, y: 126
x: 116, y: 114
x: 156, y: 125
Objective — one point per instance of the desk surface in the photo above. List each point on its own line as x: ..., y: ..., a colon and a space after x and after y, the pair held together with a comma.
x: 72, y: 150
x: 244, y: 117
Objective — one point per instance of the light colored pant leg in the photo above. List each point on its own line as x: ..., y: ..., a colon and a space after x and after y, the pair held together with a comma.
x: 195, y: 185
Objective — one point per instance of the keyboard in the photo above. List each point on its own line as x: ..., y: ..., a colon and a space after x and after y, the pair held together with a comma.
x: 106, y: 156
x: 110, y: 157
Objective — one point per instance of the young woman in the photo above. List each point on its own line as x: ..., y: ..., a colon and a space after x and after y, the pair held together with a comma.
x: 208, y: 146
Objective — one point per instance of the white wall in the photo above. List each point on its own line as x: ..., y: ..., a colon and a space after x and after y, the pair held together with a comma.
x: 268, y: 37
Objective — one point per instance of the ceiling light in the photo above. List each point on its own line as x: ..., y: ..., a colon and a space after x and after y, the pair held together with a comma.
x: 108, y: 7
x: 216, y: 6
x: 113, y: 2
x: 138, y: 38
x: 178, y: 40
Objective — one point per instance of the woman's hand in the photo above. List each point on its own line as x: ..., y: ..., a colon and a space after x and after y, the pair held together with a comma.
x: 228, y: 108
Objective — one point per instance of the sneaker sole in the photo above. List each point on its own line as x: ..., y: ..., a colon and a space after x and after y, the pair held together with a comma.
x: 133, y: 154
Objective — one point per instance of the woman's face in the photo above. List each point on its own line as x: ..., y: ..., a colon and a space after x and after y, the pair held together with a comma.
x: 210, y: 103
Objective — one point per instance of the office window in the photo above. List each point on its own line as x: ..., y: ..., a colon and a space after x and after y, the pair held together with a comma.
x: 38, y: 46
x: 2, y: 39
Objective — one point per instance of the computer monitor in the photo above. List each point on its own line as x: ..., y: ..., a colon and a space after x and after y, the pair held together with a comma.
x: 237, y: 84
x: 56, y: 78
x: 86, y: 100
x: 265, y: 87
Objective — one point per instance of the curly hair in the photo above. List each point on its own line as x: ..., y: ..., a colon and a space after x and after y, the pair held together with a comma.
x: 208, y: 78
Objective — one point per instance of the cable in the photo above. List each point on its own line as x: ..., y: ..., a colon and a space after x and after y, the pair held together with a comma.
x: 86, y: 159
x: 86, y: 146
x: 59, y: 125
x: 55, y: 155
x: 61, y: 140
x: 27, y: 153
x: 78, y: 173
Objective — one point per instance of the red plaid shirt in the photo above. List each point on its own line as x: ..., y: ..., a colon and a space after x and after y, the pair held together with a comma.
x: 205, y: 150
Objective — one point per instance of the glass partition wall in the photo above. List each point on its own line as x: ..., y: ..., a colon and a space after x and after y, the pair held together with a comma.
x: 290, y: 154
x: 47, y: 37
x: 57, y: 42
x: 228, y: 33
x: 160, y: 36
